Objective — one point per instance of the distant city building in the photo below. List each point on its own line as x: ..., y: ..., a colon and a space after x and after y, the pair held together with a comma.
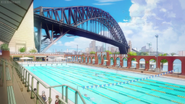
x: 98, y: 48
x: 108, y: 49
x: 130, y: 45
x: 113, y: 49
x: 102, y: 48
x: 181, y: 53
x: 87, y: 50
x: 143, y: 49
x: 92, y: 46
x: 150, y: 49
x: 67, y: 50
x: 74, y: 52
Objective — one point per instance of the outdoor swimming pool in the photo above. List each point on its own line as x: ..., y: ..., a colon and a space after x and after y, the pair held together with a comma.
x: 142, y: 92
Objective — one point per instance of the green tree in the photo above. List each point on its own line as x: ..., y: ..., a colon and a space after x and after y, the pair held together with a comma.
x: 133, y: 59
x: 138, y: 53
x: 109, y: 51
x: 132, y: 53
x: 116, y: 52
x: 173, y: 54
x: 144, y: 54
x: 33, y: 51
x: 23, y: 49
x: 163, y: 60
x: 4, y: 47
x: 112, y: 59
x: 153, y: 60
x: 92, y: 52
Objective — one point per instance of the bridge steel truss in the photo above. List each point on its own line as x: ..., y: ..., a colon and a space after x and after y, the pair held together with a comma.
x: 82, y: 21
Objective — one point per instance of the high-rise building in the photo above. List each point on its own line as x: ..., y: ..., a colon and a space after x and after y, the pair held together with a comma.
x: 143, y: 49
x: 130, y: 46
x: 101, y: 49
x: 181, y: 53
x: 92, y: 46
x: 112, y: 49
x: 87, y: 50
x: 97, y: 48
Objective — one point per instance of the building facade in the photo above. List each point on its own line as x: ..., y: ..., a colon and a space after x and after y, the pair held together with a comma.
x: 24, y: 36
x: 181, y: 53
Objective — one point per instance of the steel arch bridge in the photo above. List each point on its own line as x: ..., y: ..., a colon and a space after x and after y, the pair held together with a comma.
x: 84, y: 21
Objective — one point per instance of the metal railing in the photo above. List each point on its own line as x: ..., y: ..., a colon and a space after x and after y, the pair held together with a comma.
x: 36, y: 53
x: 25, y: 74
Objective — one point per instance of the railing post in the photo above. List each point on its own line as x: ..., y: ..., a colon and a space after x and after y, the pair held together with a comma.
x: 22, y: 79
x: 26, y: 79
x: 32, y: 87
x: 49, y: 96
x: 12, y: 74
x: 37, y: 101
x: 66, y: 94
x: 76, y: 97
x: 63, y: 92
x: 28, y: 90
x: 4, y: 73
x: 18, y: 70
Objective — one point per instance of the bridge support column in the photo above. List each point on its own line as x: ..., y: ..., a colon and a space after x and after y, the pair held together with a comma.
x: 129, y: 62
x: 87, y: 59
x: 114, y: 62
x: 102, y: 60
x: 170, y: 65
x: 137, y: 65
x: 147, y: 64
x: 183, y: 67
x: 38, y: 46
x: 121, y: 62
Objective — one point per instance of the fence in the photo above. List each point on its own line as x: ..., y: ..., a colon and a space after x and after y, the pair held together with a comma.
x: 25, y: 75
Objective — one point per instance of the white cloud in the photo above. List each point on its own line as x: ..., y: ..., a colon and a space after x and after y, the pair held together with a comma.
x: 182, y: 2
x: 108, y: 0
x: 105, y: 2
x: 163, y: 10
x: 125, y: 20
x: 58, y: 43
x: 102, y: 3
x: 78, y: 41
x: 48, y: 50
x: 151, y: 17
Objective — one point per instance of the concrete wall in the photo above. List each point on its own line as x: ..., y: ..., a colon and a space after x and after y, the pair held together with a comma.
x: 24, y: 36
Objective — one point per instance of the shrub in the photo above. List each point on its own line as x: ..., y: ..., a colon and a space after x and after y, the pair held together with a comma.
x: 33, y: 51
x: 4, y: 47
x: 109, y: 52
x: 23, y: 49
x: 92, y: 52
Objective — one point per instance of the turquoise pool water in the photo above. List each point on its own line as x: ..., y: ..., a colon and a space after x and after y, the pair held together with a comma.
x: 143, y: 92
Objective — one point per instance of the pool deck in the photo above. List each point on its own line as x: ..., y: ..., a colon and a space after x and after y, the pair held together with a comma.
x: 140, y: 71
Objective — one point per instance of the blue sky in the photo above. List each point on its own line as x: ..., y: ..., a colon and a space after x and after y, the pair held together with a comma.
x: 140, y: 21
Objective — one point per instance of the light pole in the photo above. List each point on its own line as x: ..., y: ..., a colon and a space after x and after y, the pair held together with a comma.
x: 77, y: 49
x: 157, y: 50
x: 149, y: 44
